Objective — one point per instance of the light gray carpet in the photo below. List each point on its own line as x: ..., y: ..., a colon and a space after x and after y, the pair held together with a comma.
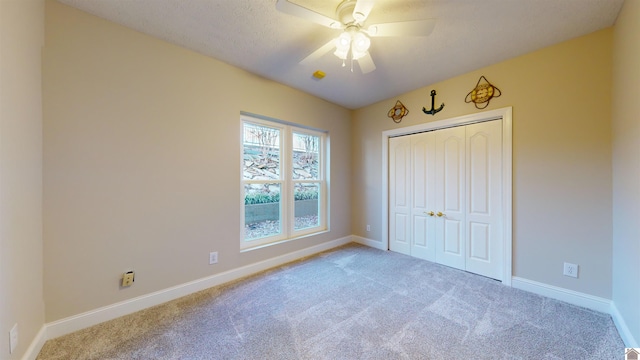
x: 352, y: 303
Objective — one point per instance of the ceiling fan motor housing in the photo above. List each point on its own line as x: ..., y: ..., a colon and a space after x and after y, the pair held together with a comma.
x: 344, y: 12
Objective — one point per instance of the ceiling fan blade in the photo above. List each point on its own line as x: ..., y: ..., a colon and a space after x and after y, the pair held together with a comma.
x: 362, y: 9
x: 403, y: 28
x: 366, y: 63
x: 287, y: 7
x: 320, y: 52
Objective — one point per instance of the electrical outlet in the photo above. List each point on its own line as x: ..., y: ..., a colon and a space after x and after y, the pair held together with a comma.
x: 368, y: 227
x: 213, y: 257
x: 13, y: 338
x: 570, y: 270
x: 128, y: 278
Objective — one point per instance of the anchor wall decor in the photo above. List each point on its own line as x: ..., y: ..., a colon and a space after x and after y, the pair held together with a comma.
x: 433, y: 110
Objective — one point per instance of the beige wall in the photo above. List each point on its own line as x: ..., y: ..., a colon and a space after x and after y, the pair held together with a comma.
x: 141, y: 167
x: 626, y: 167
x: 142, y: 162
x: 21, y: 300
x: 561, y: 157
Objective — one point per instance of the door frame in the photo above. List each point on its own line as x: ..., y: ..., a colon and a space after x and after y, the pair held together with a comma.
x: 507, y: 170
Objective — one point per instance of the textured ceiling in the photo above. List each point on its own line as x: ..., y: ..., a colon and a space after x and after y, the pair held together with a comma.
x: 253, y: 35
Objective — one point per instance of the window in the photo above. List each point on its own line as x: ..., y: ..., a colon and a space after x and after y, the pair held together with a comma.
x: 284, y: 182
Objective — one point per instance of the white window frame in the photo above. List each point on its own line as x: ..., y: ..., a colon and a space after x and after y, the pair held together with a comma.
x: 286, y: 181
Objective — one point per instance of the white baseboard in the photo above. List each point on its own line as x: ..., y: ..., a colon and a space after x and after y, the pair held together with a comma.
x: 94, y: 317
x: 368, y: 242
x: 36, y: 345
x: 621, y: 325
x: 562, y: 294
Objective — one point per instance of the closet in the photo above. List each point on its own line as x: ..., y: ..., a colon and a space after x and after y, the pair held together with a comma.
x: 445, y: 196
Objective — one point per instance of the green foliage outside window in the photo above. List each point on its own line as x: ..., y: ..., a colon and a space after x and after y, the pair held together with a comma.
x: 266, y: 198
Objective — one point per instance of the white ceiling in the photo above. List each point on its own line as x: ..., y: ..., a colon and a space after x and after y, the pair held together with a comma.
x: 252, y: 35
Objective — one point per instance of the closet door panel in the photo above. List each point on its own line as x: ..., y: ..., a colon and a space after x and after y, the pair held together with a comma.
x: 484, y: 199
x: 422, y: 190
x: 479, y: 241
x: 450, y: 197
x: 399, y: 194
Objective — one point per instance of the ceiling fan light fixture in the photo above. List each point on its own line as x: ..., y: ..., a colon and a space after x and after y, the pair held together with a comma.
x: 359, y: 45
x: 355, y: 54
x: 343, y: 41
x: 343, y: 44
x: 341, y: 53
x: 361, y: 42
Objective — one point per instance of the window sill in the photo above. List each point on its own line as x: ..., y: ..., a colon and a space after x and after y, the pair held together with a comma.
x: 262, y: 246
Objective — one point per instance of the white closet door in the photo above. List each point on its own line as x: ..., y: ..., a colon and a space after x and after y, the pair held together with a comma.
x: 450, y: 197
x: 423, y: 156
x: 445, y: 197
x: 484, y: 199
x: 400, y: 194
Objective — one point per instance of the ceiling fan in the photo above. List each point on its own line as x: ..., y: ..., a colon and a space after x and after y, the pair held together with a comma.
x: 354, y: 41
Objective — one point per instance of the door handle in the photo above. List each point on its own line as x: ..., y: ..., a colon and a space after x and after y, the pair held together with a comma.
x: 430, y: 213
x: 439, y: 214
